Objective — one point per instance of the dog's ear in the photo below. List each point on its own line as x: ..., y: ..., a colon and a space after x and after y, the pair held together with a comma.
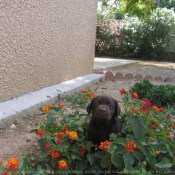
x: 89, y: 107
x: 117, y: 109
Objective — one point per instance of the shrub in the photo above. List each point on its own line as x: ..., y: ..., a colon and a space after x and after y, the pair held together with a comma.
x: 160, y: 95
x: 148, y: 37
x: 107, y: 35
x: 147, y: 148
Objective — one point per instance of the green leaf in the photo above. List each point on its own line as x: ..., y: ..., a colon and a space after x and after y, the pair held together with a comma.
x: 137, y: 154
x: 42, y: 142
x: 57, y: 110
x: 2, y: 127
x: 117, y: 160
x: 128, y: 159
x: 33, y: 130
x: 121, y: 141
x: 139, y: 127
x: 106, y: 161
x: 81, y: 165
x: 91, y: 159
x: 120, y: 149
x: 43, y: 155
x: 165, y: 163
x: 51, y: 118
x: 69, y: 117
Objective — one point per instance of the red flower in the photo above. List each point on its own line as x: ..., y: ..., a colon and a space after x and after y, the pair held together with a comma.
x: 54, y: 154
x: 6, y: 173
x: 59, y: 141
x: 47, y: 146
x: 81, y: 150
x: 60, y: 134
x: 169, y: 117
x: 148, y: 103
x: 130, y: 146
x: 122, y: 91
x: 55, y: 123
x: 146, y: 109
x: 40, y: 132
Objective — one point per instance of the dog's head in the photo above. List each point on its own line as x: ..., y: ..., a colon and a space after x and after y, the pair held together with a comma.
x: 104, y: 108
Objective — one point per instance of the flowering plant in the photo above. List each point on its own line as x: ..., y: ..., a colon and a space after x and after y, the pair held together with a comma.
x: 146, y: 144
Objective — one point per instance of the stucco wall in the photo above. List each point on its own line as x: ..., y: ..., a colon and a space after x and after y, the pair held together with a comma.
x: 44, y: 42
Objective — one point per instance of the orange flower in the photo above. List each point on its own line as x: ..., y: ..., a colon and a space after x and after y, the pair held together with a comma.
x: 161, y: 109
x: 72, y: 135
x: 61, y: 105
x: 12, y: 164
x: 135, y: 95
x: 157, y: 152
x: 60, y: 134
x: 91, y: 94
x: 122, y: 91
x: 156, y: 108
x: 46, y: 108
x: 173, y: 125
x: 40, y: 132
x: 104, y: 145
x: 62, y: 164
x: 54, y: 154
x: 135, y: 110
x: 1, y: 160
x: 130, y: 146
x: 85, y: 91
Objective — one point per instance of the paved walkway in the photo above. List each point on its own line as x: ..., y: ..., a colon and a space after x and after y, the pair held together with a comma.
x: 103, y: 63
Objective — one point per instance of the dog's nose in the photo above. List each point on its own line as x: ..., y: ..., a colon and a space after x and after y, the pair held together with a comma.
x: 103, y: 109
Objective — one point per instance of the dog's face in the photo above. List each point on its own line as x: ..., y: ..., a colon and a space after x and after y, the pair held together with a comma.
x: 104, y: 108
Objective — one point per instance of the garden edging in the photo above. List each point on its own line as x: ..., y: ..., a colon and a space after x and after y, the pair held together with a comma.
x: 29, y: 103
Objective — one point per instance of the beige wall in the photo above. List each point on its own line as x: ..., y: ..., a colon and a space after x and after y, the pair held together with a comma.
x: 44, y: 42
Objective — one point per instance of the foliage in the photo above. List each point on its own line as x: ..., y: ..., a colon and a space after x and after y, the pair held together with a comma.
x: 165, y: 3
x: 108, y: 34
x: 139, y: 8
x: 148, y: 38
x: 159, y: 95
x: 147, y: 148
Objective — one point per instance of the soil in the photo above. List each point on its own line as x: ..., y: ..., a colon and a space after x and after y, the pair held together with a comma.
x: 15, y: 139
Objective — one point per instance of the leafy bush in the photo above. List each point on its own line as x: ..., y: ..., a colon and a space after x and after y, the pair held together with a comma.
x: 107, y: 35
x: 160, y: 95
x: 147, y: 148
x: 145, y: 39
x: 148, y: 37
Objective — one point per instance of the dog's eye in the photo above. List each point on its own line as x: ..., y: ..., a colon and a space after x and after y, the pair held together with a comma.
x: 110, y: 105
x: 96, y: 103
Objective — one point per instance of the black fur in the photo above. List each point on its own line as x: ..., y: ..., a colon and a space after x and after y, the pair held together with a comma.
x: 104, y: 121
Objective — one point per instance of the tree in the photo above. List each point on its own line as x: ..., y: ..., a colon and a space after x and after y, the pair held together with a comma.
x: 140, y: 8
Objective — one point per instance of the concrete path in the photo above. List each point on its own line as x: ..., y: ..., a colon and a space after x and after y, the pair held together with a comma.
x: 29, y: 103
x: 103, y: 63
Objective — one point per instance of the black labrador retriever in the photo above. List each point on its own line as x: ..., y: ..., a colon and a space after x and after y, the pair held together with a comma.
x: 104, y: 121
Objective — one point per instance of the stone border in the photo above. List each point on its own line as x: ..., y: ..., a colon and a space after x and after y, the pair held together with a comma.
x: 128, y: 76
